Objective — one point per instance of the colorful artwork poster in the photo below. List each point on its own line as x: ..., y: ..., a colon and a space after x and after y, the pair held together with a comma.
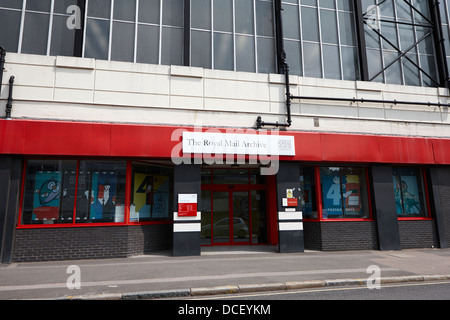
x: 47, y: 195
x: 352, y: 194
x: 406, y: 189
x: 336, y: 187
x: 103, y: 205
x: 151, y: 195
x: 331, y: 194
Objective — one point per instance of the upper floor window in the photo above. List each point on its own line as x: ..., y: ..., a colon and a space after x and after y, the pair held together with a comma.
x: 37, y: 27
x: 444, y: 9
x: 320, y: 38
x: 143, y: 31
x: 235, y: 35
x: 399, y: 42
x: 396, y: 43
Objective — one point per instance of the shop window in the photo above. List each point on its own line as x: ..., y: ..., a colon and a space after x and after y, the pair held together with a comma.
x: 87, y: 192
x: 344, y: 192
x: 101, y: 192
x: 308, y: 193
x: 49, y: 192
x: 151, y: 193
x: 409, y: 192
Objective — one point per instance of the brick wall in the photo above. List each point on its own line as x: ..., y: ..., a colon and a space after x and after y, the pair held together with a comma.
x: 418, y: 234
x: 444, y: 193
x: 339, y: 235
x: 312, y: 235
x: 48, y: 244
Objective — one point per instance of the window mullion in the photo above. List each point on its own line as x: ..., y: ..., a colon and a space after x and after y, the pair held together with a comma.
x: 341, y: 67
x: 85, y: 28
x: 22, y: 24
x: 50, y: 27
x: 361, y: 41
x: 160, y: 31
x: 111, y: 30
x: 256, y: 35
x: 136, y: 20
x: 320, y: 41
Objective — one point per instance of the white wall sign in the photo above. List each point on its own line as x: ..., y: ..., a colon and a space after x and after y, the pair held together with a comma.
x: 187, y: 198
x: 234, y: 143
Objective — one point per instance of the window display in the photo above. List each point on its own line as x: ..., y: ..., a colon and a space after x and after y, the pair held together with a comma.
x: 344, y: 192
x: 49, y: 192
x: 79, y: 191
x: 151, y: 193
x: 101, y: 191
x: 408, y: 190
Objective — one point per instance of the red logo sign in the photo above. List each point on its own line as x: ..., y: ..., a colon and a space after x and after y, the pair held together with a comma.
x: 187, y: 209
x: 292, y: 202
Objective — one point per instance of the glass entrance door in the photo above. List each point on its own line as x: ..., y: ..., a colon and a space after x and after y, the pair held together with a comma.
x: 230, y: 217
x: 233, y: 214
x: 220, y: 227
x: 234, y: 217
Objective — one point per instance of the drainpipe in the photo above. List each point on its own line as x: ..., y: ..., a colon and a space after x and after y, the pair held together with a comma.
x: 283, y: 66
x: 10, y: 99
x: 2, y: 64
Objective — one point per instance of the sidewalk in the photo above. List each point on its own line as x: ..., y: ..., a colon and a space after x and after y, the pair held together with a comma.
x: 217, y: 271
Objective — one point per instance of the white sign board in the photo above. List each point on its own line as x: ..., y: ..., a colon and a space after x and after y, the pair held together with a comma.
x: 187, y: 198
x: 234, y: 143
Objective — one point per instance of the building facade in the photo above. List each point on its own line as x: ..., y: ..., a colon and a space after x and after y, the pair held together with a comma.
x: 131, y: 126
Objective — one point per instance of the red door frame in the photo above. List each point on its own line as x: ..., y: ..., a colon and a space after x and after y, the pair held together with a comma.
x: 230, y: 241
x: 229, y: 189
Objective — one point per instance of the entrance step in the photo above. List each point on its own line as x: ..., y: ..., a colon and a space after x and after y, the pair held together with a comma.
x: 243, y: 249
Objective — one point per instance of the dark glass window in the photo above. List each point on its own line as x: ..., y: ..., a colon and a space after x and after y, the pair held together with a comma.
x: 444, y: 8
x: 235, y: 35
x: 320, y: 39
x: 399, y: 40
x: 308, y: 193
x: 43, y: 30
x: 10, y: 24
x: 409, y: 192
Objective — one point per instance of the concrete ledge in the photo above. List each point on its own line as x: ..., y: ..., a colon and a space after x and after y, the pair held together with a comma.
x: 345, y: 282
x: 262, y: 287
x: 105, y: 296
x: 435, y: 278
x: 248, y: 288
x: 304, y: 284
x: 156, y: 294
x: 214, y: 290
x: 401, y: 279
